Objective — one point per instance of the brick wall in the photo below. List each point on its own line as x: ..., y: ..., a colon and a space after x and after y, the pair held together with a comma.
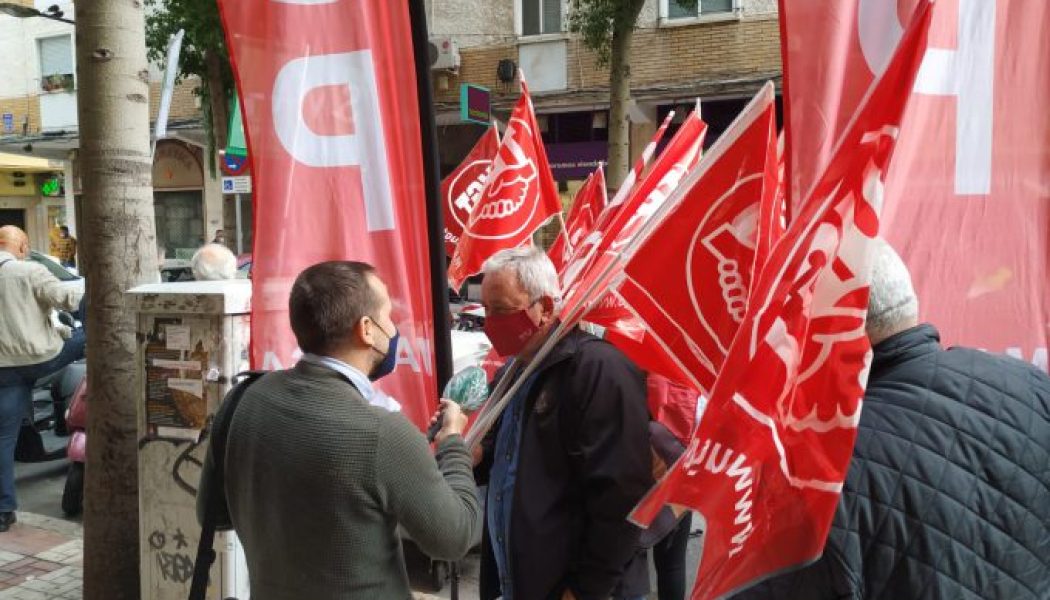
x: 20, y: 107
x: 671, y: 55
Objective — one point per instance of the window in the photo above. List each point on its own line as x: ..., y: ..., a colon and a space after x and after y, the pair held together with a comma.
x: 691, y: 9
x: 540, y: 16
x: 56, y: 63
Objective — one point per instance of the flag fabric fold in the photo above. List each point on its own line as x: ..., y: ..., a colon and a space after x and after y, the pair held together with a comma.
x: 461, y: 189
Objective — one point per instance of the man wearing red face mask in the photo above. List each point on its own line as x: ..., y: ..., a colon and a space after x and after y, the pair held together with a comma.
x: 570, y: 455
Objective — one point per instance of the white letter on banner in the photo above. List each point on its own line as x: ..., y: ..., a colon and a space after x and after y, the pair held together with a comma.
x: 968, y: 73
x: 366, y: 147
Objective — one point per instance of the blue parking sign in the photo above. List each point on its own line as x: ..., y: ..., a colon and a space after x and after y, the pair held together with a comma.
x: 9, y: 123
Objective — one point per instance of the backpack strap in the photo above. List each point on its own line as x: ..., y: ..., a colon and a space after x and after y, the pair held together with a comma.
x: 220, y: 430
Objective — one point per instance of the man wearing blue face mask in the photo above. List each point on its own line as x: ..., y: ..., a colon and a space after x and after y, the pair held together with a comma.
x: 321, y: 468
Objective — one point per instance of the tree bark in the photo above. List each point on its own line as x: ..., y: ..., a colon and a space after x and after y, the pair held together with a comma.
x: 119, y: 249
x: 620, y: 94
x: 218, y: 102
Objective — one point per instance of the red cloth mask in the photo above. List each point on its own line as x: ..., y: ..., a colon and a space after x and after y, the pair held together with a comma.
x: 510, y: 333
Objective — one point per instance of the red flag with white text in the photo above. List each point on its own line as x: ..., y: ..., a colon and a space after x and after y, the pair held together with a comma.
x: 519, y: 196
x: 589, y: 202
x: 973, y: 153
x: 766, y: 464
x: 461, y: 189
x: 328, y: 95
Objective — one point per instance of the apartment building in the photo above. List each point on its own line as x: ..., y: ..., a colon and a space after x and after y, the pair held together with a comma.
x: 39, y: 138
x: 721, y: 51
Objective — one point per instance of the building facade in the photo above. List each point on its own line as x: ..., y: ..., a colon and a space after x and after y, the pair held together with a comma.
x: 720, y: 51
x: 39, y: 138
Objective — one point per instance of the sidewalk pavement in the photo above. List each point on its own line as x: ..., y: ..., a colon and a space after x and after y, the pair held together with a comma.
x: 42, y: 558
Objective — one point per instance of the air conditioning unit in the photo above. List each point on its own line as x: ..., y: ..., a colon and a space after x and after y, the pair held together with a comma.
x: 444, y: 54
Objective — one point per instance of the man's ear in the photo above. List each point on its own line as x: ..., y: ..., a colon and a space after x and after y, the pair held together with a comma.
x: 363, y: 331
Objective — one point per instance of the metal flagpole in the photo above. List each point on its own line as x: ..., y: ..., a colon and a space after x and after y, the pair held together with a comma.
x: 435, y: 215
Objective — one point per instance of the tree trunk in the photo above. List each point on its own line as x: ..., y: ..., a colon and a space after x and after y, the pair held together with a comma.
x: 119, y: 248
x: 620, y: 94
x: 218, y: 102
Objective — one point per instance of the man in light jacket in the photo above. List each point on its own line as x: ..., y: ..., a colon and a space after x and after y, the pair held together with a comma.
x: 31, y: 347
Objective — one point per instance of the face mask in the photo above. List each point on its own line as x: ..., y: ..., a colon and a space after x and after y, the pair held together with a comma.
x: 510, y: 333
x: 386, y: 366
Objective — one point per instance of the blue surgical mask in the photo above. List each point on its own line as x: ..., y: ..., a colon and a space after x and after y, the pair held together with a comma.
x: 389, y: 362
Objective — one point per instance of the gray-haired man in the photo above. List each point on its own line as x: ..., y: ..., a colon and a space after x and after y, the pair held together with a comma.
x: 569, y: 457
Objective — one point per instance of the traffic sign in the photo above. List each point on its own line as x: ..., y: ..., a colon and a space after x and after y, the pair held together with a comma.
x: 237, y: 185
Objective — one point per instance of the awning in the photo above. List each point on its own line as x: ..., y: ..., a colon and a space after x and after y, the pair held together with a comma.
x: 29, y: 164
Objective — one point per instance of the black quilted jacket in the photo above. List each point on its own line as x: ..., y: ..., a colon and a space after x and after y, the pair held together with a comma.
x: 948, y: 495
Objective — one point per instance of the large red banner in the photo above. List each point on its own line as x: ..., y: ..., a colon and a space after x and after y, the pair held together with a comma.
x: 968, y: 201
x: 337, y: 167
x: 766, y: 464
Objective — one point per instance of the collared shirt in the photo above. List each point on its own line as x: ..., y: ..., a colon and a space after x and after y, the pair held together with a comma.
x: 501, y: 484
x: 358, y: 379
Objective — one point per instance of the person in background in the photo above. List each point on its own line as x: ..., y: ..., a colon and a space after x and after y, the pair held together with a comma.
x: 31, y: 346
x: 214, y: 262
x: 220, y: 237
x: 66, y: 248
x: 948, y: 493
x: 569, y: 457
x: 320, y: 471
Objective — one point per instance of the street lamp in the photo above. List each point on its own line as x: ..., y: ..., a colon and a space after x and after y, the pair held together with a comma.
x: 25, y: 12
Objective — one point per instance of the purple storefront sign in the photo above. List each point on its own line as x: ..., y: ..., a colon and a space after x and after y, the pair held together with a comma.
x: 576, y: 160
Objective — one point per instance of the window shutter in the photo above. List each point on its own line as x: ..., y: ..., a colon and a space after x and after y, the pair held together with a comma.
x: 56, y: 56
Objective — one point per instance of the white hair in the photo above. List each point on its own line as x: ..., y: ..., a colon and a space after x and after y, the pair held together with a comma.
x: 214, y: 262
x: 534, y: 269
x: 892, y: 304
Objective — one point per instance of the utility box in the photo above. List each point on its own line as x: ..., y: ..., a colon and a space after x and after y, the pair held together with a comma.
x: 192, y: 341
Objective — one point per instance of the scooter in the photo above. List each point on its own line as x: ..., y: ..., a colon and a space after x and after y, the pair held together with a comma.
x: 76, y: 451
x: 45, y: 412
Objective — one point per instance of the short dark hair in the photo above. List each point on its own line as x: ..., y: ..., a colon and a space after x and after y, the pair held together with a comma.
x: 64, y: 229
x: 327, y: 301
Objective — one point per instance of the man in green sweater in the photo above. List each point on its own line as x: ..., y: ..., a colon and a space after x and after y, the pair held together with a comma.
x: 321, y: 468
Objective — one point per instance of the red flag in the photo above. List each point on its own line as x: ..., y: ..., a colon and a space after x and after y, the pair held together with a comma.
x: 972, y: 154
x: 706, y: 247
x: 519, y: 196
x: 334, y: 136
x: 461, y: 190
x: 590, y: 201
x: 767, y: 462
x: 620, y: 223
x: 635, y: 176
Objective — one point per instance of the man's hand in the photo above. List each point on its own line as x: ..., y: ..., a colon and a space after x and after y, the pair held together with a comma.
x: 453, y: 420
